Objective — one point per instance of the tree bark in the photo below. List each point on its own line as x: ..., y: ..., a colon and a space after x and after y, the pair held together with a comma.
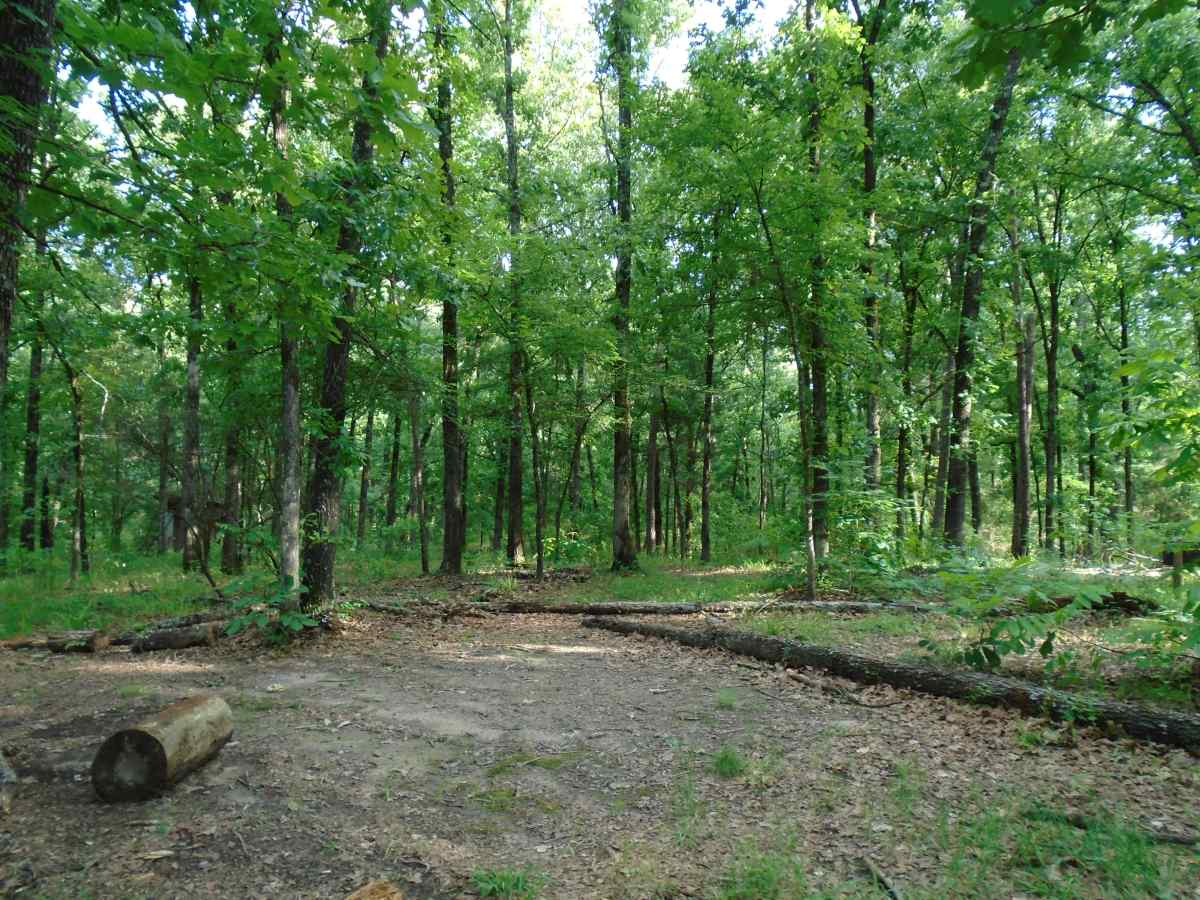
x: 325, y: 486
x: 964, y: 358
x: 515, y: 547
x: 651, y: 490
x: 33, y: 417
x: 190, y: 500
x: 393, y: 488
x: 231, y: 541
x: 364, y: 481
x: 1024, y: 455
x: 500, y: 505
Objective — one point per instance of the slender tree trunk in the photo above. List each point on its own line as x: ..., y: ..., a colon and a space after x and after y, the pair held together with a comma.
x: 624, y: 545
x: 819, y: 445
x: 870, y: 31
x: 762, y: 438
x: 1024, y: 454
x: 80, y: 557
x: 515, y: 548
x: 706, y: 423
x: 190, y: 499
x: 943, y: 448
x: 1127, y: 418
x: 289, y: 366
x: 325, y: 486
x: 48, y: 517
x: 33, y: 417
x: 651, y: 492
x: 231, y: 541
x: 976, y: 493
x: 539, y: 484
x: 453, y: 507
x: 960, y: 433
x: 393, y: 489
x: 500, y: 506
x: 418, y: 477
x: 364, y: 482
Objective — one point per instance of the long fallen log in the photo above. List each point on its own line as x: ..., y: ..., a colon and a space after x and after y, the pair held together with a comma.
x: 8, y: 785
x: 1164, y: 727
x: 141, y: 762
x: 662, y: 609
x: 81, y: 641
x: 132, y: 637
x: 179, y: 638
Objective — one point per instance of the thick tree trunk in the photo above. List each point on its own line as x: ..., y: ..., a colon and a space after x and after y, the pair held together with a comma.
x: 141, y: 762
x: 624, y: 544
x: 1175, y: 729
x: 453, y: 508
x: 325, y: 486
x: 364, y: 482
x: 964, y: 359
x: 26, y: 37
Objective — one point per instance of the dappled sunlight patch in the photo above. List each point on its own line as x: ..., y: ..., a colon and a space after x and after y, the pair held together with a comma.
x: 144, y: 665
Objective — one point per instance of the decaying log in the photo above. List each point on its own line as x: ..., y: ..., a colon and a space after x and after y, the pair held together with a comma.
x: 1173, y: 728
x: 141, y: 762
x: 8, y: 785
x: 83, y: 641
x: 179, y: 638
x: 132, y: 637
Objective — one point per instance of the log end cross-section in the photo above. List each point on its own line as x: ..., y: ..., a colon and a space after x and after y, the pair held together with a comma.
x: 141, y: 762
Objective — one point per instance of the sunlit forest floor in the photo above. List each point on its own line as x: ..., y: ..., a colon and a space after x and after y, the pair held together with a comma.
x: 524, y: 756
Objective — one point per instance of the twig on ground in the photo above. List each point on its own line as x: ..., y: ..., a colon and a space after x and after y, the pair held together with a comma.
x: 881, y: 879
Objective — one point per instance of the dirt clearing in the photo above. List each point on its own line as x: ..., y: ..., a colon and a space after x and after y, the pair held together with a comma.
x: 598, y: 765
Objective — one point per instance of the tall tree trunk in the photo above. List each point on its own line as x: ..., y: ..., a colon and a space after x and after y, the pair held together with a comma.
x: 819, y: 365
x: 364, y: 481
x: 706, y: 423
x: 1024, y: 454
x: 80, y: 557
x: 418, y: 476
x: 500, y: 506
x: 979, y: 213
x: 539, y: 483
x: 289, y: 365
x: 515, y: 548
x: 762, y: 438
x: 26, y: 37
x: 976, y: 493
x: 870, y: 29
x: 231, y: 541
x: 48, y: 517
x: 1126, y: 416
x: 453, y: 508
x: 903, y: 504
x: 393, y: 488
x: 937, y: 523
x: 190, y: 499
x: 325, y: 486
x: 624, y: 545
x: 651, y: 492
x: 33, y: 418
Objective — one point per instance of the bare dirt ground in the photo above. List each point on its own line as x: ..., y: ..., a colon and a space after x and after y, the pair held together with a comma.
x: 425, y: 751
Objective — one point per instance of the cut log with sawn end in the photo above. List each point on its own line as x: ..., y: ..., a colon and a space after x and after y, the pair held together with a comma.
x: 141, y: 762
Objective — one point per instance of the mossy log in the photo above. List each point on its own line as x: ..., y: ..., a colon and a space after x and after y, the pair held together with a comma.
x: 141, y: 762
x: 1162, y: 726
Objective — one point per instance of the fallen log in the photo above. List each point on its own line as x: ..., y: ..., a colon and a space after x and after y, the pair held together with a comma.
x: 82, y: 641
x: 8, y: 785
x: 687, y: 609
x: 179, y: 638
x: 1175, y: 729
x: 141, y: 762
x: 131, y: 637
x: 1116, y: 601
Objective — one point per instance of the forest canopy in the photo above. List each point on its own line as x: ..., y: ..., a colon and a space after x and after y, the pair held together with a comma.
x: 872, y: 283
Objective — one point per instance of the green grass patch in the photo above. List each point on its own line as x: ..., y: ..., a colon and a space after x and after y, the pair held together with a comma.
x: 550, y: 763
x: 507, y: 884
x: 726, y: 698
x: 669, y: 581
x: 760, y: 875
x: 728, y: 763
